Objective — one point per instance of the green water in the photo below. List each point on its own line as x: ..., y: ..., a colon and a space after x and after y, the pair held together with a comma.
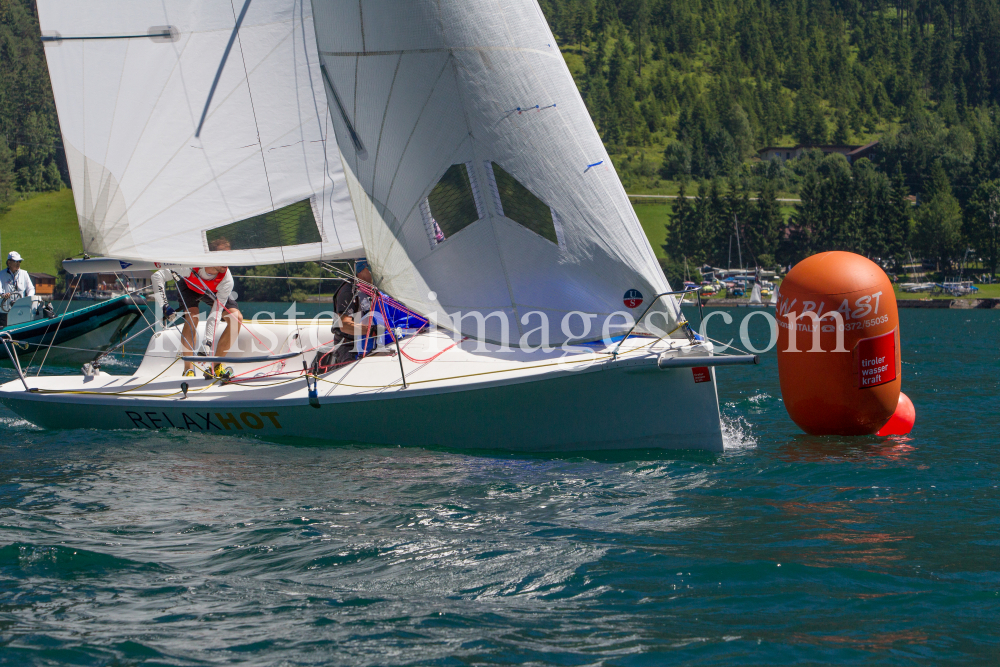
x: 175, y: 548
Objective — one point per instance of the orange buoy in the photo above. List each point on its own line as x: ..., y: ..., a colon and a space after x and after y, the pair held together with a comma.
x: 838, y: 345
x: 901, y: 421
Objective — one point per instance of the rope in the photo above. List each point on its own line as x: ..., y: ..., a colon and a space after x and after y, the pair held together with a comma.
x: 392, y: 333
x: 502, y: 370
x: 130, y: 391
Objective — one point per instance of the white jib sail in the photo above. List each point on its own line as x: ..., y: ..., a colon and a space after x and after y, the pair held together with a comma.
x: 479, y: 180
x: 755, y: 294
x: 180, y: 129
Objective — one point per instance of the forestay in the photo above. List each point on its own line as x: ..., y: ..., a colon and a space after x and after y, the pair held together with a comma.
x: 180, y: 130
x: 478, y: 178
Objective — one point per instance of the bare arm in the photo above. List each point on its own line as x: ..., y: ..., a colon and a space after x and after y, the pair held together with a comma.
x: 352, y: 328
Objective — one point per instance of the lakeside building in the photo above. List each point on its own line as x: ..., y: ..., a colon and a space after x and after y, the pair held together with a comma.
x: 44, y: 283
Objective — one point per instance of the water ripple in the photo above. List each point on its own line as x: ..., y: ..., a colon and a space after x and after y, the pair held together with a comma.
x: 183, y: 549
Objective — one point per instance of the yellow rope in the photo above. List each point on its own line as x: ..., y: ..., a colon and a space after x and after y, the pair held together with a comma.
x: 126, y: 391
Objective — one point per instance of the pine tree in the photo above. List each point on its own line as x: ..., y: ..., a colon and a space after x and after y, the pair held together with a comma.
x: 939, y: 220
x: 684, y: 232
x: 806, y: 221
x: 982, y: 225
x: 6, y: 176
x: 764, y: 225
x: 898, y: 219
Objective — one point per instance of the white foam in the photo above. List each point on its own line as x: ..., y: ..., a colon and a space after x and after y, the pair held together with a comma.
x: 736, y: 434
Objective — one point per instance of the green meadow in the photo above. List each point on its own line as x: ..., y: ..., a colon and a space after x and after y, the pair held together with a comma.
x: 43, y: 229
x: 654, y: 219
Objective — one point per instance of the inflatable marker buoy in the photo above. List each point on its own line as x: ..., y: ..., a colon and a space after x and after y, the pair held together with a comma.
x: 838, y: 345
x: 901, y: 421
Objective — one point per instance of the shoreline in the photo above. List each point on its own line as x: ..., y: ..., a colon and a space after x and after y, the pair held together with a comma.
x: 956, y: 304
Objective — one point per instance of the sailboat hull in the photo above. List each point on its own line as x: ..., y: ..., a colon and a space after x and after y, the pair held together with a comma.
x: 606, y: 410
x: 622, y: 403
x: 77, y: 336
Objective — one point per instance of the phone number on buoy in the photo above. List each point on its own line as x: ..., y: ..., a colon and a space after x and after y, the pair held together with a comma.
x: 850, y: 326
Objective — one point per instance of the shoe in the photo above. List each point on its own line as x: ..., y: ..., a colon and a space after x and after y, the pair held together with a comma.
x: 220, y: 373
x: 189, y: 373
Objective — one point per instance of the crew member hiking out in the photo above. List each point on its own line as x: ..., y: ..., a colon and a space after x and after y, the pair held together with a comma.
x: 211, y: 285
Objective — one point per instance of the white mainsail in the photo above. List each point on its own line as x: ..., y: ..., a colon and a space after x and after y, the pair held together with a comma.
x: 755, y: 294
x: 478, y: 178
x: 187, y: 121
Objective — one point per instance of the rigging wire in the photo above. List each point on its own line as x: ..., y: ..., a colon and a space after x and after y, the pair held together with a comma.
x: 56, y: 334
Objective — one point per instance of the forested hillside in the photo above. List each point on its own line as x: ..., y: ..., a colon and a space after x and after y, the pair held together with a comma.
x: 718, y: 80
x: 687, y: 91
x: 29, y: 129
x: 692, y: 89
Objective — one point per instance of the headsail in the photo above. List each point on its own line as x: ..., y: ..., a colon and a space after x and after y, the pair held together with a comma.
x: 133, y: 84
x: 479, y: 180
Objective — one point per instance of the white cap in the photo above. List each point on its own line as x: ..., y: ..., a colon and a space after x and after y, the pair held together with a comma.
x: 14, y: 255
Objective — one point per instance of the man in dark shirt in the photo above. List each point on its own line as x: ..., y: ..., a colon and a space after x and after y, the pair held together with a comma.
x: 352, y: 304
x: 353, y: 308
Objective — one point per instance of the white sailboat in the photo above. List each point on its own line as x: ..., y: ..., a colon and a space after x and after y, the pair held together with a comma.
x: 755, y: 298
x: 478, y: 187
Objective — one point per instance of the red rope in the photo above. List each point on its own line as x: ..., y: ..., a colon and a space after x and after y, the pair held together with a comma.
x: 392, y: 333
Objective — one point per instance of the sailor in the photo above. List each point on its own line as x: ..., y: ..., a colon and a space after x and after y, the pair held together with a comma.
x: 14, y: 284
x: 362, y: 320
x: 354, y: 307
x: 211, y: 285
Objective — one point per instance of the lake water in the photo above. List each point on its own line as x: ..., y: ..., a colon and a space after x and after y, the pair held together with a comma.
x: 174, y: 548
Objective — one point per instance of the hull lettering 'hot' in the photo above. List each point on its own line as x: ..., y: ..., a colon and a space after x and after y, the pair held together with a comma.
x: 203, y: 421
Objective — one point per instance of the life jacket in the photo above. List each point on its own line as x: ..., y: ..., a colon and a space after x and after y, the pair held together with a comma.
x: 198, y: 284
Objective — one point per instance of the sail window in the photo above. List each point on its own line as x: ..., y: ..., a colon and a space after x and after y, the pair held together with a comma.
x: 294, y: 224
x: 515, y: 202
x: 452, y: 205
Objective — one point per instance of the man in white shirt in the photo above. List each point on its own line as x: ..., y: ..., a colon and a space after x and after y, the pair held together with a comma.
x: 14, y: 284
